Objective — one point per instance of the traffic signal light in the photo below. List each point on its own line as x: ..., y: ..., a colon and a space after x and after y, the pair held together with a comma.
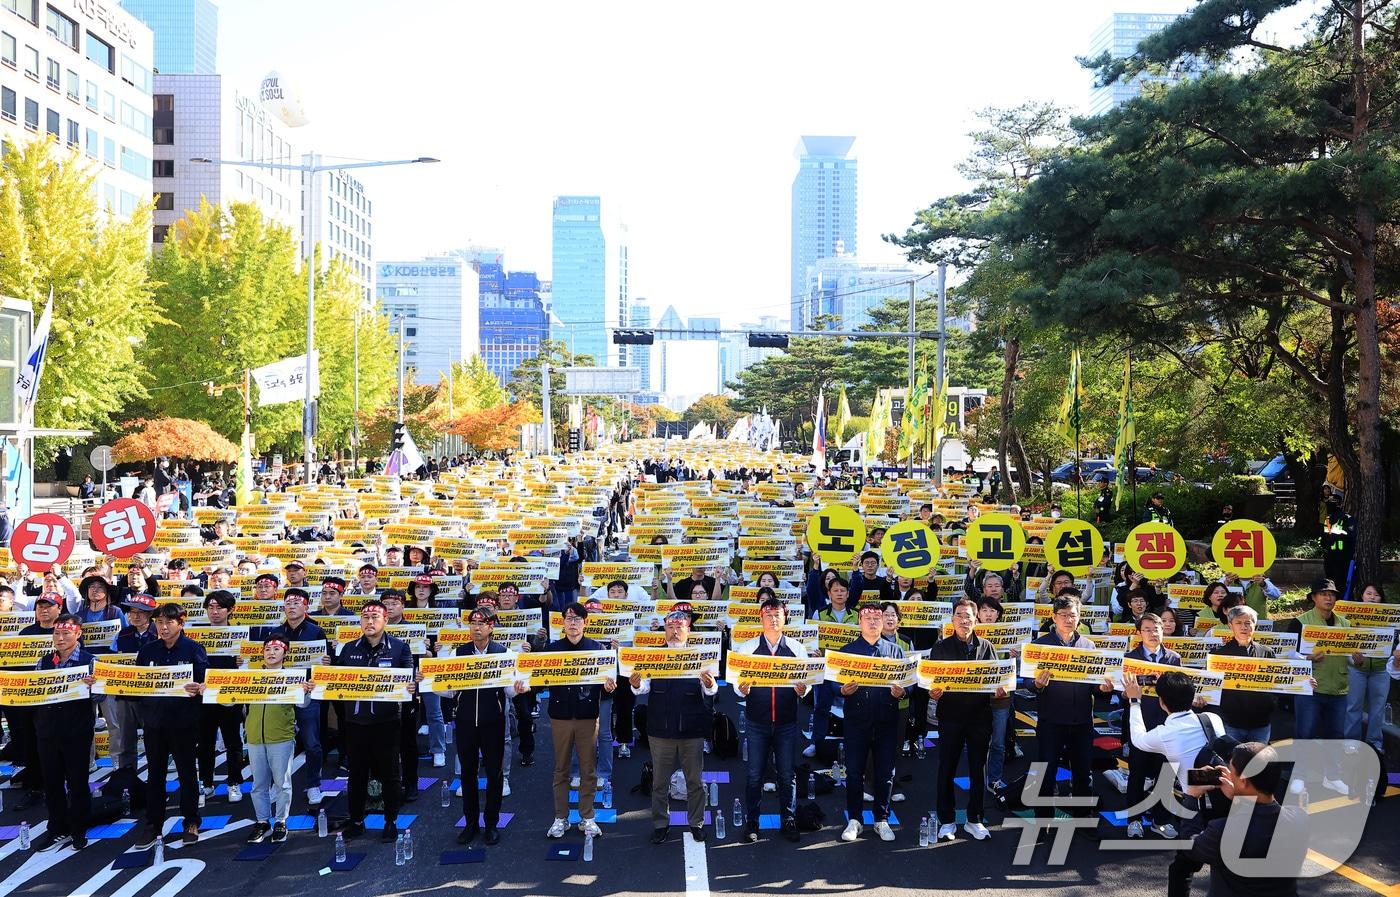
x: 396, y: 438
x: 633, y: 337
x: 768, y: 341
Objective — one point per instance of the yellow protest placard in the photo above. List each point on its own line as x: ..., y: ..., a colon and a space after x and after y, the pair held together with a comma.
x: 24, y: 650
x: 256, y: 613
x: 600, y: 573
x: 1155, y: 550
x: 923, y: 614
x: 101, y: 632
x: 467, y: 672
x: 218, y: 641
x: 995, y: 540
x: 980, y: 676
x: 1366, y: 641
x: 1186, y: 596
x: 1369, y: 613
x: 14, y: 620
x: 1276, y: 675
x: 788, y: 571
x: 657, y: 639
x: 999, y: 635
x: 768, y: 671
x: 873, y: 671
x: 434, y: 619
x: 1090, y: 665
x: 836, y: 534
x: 1073, y: 545
x: 708, y: 612
x: 335, y: 683
x: 254, y: 686
x: 205, y: 556
x: 1193, y: 650
x: 1244, y: 547
x: 548, y: 668
x: 601, y: 627
x: 1207, y: 684
x: 32, y: 687
x: 1117, y: 643
x: 835, y: 636
x: 668, y: 663
x: 129, y: 680
x: 416, y: 635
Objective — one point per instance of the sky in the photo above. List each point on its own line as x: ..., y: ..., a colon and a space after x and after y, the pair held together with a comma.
x: 685, y: 118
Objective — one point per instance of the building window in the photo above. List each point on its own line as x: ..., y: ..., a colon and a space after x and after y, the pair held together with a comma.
x: 55, y: 123
x: 74, y: 134
x: 31, y: 114
x: 165, y: 202
x: 91, y: 91
x: 55, y: 75
x: 100, y: 52
x: 128, y: 204
x: 164, y: 102
x: 163, y: 137
x: 31, y: 62
x: 63, y: 28
x: 136, y: 75
x: 9, y: 49
x: 135, y: 163
x: 8, y: 100
x: 136, y: 120
x: 73, y: 85
x: 109, y: 106
x: 109, y: 152
x: 163, y: 168
x: 90, y: 145
x: 25, y: 9
x: 158, y: 233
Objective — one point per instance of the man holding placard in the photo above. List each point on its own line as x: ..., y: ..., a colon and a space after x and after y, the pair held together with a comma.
x: 64, y: 730
x: 872, y: 729
x: 1247, y: 714
x: 573, y: 722
x: 1323, y: 714
x: 772, y: 718
x: 225, y: 718
x: 680, y: 716
x: 837, y: 592
x: 171, y: 725
x: 296, y: 626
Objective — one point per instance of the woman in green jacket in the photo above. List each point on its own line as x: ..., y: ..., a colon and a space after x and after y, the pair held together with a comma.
x: 270, y: 731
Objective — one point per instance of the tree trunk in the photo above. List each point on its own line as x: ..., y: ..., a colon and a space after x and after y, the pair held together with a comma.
x: 1023, y: 467
x: 1010, y: 354
x: 1309, y: 473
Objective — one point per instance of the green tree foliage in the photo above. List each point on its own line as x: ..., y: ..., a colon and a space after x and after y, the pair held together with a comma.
x: 54, y: 238
x: 717, y: 411
x: 474, y: 388
x: 524, y: 386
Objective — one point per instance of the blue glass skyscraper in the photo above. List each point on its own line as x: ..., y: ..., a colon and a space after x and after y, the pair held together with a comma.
x: 186, y: 34
x: 513, y: 319
x: 1119, y: 37
x: 580, y: 277
x: 823, y: 211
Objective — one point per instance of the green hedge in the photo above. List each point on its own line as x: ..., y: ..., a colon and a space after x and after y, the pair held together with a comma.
x: 1195, y: 509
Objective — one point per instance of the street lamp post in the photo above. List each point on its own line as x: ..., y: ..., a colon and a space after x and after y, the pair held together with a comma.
x: 310, y: 170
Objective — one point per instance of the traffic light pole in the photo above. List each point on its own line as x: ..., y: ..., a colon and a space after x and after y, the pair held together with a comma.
x: 401, y: 320
x: 544, y: 405
x: 942, y: 362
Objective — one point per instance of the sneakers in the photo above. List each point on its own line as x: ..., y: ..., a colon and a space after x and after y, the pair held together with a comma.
x: 390, y: 832
x: 624, y: 751
x: 527, y: 760
x: 1336, y: 785
x: 751, y: 832
x: 207, y: 793
x: 867, y: 795
x: 1118, y: 778
x: 505, y: 788
x: 258, y: 834
x: 897, y: 797
x: 1167, y: 831
x: 882, y: 828
x: 279, y: 833
x: 809, y: 751
x: 49, y: 841
x: 149, y: 836
x: 977, y: 830
x: 1135, y: 829
x: 851, y: 831
x: 558, y: 829
x: 190, y: 835
x: 313, y: 795
x: 439, y: 760
x: 590, y: 827
x: 78, y: 842
x: 235, y: 792
x: 573, y: 783
x: 948, y: 831
x: 770, y: 787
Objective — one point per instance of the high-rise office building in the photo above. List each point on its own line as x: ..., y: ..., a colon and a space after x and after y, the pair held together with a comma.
x: 823, y: 210
x: 342, y: 224
x: 639, y: 317
x: 735, y: 354
x: 81, y: 74
x: 187, y: 33
x: 1119, y: 36
x: 513, y: 319
x: 439, y: 329
x: 846, y: 288
x: 619, y: 289
x: 580, y: 276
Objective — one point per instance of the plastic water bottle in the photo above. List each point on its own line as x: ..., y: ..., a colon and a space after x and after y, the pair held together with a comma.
x: 607, y: 794
x: 743, y: 747
x: 714, y: 794
x: 339, y: 847
x: 408, y: 844
x: 159, y: 858
x: 811, y: 786
x: 323, y: 825
x: 932, y: 827
x: 446, y: 793
x: 126, y: 802
x: 840, y: 770
x: 588, y: 847
x: 923, y: 832
x: 24, y: 836
x: 719, y: 826
x: 399, y: 858
x: 738, y: 815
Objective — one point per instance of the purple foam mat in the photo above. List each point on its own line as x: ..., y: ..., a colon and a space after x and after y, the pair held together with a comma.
x: 481, y: 820
x: 682, y: 818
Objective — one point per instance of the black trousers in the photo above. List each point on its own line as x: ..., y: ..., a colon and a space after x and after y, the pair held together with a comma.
x: 372, y: 749
x: 624, y: 702
x: 408, y: 745
x: 162, y: 743
x: 26, y: 748
x: 1143, y: 765
x: 65, y: 762
x: 1074, y: 743
x: 214, y: 719
x: 953, y: 737
x: 487, y: 742
x: 524, y: 723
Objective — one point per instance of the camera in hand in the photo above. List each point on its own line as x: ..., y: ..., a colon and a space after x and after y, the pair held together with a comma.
x: 1209, y: 777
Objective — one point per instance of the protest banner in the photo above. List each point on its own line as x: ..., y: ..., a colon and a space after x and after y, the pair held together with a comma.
x: 300, y: 655
x: 797, y: 630
x: 415, y: 634
x: 24, y: 650
x: 256, y: 613
x: 1193, y: 650
x: 657, y: 639
x: 336, y: 683
x: 601, y: 627
x: 769, y: 671
x: 521, y: 617
x: 737, y: 612
x: 254, y: 686
x: 434, y: 619
x: 201, y: 556
x: 600, y: 573
x: 668, y: 663
x: 984, y: 676
x: 31, y: 688
x: 1185, y: 596
x: 493, y: 579
x: 1207, y: 684
x: 12, y: 621
x: 785, y: 571
x: 999, y: 635
x: 1281, y: 643
x: 835, y: 636
x: 766, y: 546
x: 708, y: 612
x: 695, y: 556
x: 467, y: 672
x: 1366, y: 641
x: 641, y: 609
x: 923, y: 614
x: 548, y: 668
x: 100, y: 633
x: 1276, y: 675
x: 1090, y: 665
x: 872, y: 671
x: 1118, y: 643
x: 1017, y: 611
x: 218, y: 641
x: 1369, y: 613
x: 749, y: 594
x: 131, y: 681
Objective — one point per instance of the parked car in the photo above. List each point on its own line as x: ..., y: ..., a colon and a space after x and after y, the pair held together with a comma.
x: 1144, y: 475
x: 1089, y: 467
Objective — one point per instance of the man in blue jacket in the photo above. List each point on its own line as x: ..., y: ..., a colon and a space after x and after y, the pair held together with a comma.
x: 873, y: 721
x: 172, y: 725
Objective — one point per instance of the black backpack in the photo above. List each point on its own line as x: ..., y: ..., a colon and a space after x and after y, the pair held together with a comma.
x: 124, y: 779
x: 1215, y: 752
x: 643, y: 786
x: 639, y: 719
x: 809, y: 817
x: 725, y: 738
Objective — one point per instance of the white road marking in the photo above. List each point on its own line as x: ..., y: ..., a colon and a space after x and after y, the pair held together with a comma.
x: 697, y: 869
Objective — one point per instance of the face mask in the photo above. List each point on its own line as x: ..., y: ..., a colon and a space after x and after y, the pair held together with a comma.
x: 1055, y: 514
